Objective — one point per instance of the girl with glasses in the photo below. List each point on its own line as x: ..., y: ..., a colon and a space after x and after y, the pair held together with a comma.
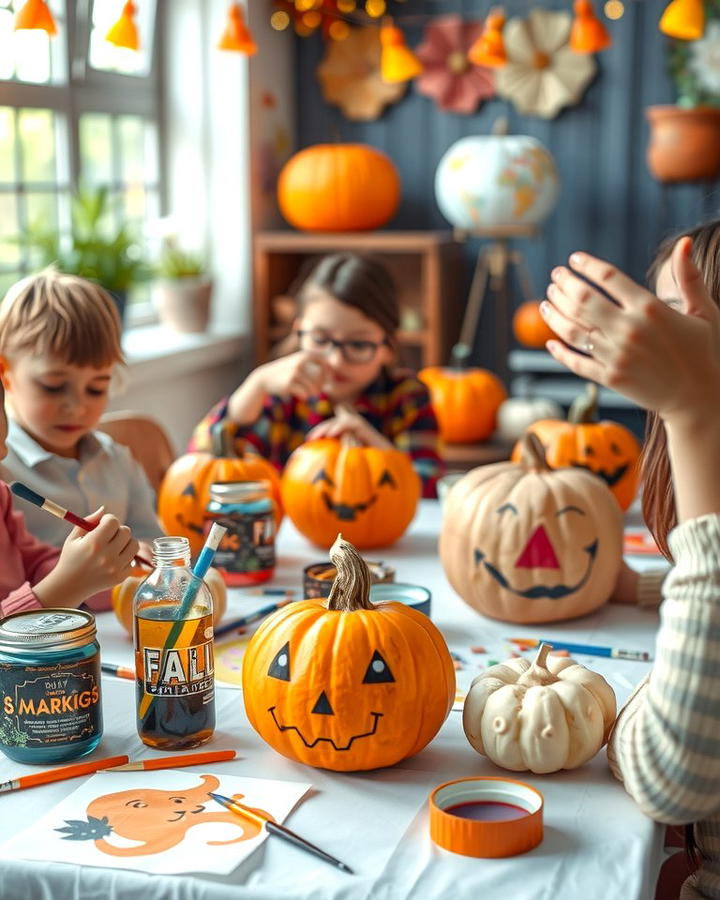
x: 341, y: 378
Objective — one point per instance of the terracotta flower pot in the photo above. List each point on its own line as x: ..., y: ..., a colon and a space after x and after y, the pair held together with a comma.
x: 183, y: 304
x: 684, y: 143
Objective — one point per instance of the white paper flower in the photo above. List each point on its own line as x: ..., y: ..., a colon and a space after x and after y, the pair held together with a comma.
x: 705, y: 58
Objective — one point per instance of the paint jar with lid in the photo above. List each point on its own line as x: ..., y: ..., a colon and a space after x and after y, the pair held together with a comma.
x: 50, y: 708
x: 246, y: 554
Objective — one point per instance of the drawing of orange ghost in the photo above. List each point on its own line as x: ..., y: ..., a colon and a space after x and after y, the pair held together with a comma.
x: 159, y: 818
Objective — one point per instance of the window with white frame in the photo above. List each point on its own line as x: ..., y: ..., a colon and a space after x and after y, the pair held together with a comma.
x: 74, y: 110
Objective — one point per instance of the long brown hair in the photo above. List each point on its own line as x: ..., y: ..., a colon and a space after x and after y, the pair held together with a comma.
x: 658, y: 496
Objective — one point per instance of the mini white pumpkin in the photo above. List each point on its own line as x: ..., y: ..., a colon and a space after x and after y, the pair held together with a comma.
x: 518, y: 413
x: 543, y: 716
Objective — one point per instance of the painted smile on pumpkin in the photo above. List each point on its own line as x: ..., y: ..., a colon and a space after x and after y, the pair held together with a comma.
x: 345, y: 512
x: 310, y: 744
x: 189, y: 526
x: 610, y: 478
x: 554, y: 592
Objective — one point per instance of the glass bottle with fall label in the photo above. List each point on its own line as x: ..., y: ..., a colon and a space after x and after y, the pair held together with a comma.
x: 173, y: 635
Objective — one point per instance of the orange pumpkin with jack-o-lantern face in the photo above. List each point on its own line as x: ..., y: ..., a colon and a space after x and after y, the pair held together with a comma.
x: 346, y: 684
x: 525, y: 543
x: 368, y: 493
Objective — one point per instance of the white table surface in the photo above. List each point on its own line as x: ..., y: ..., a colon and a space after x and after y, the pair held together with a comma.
x: 597, y: 843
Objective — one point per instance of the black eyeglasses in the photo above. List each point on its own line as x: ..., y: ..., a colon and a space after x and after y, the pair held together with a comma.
x: 353, y: 351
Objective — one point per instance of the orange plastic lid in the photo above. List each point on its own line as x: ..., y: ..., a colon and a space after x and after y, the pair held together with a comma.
x: 455, y: 831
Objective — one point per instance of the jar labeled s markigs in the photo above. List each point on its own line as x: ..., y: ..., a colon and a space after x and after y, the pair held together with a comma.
x: 49, y: 685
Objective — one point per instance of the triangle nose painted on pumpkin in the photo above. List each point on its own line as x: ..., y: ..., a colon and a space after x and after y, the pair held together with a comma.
x: 322, y: 706
x: 538, y: 552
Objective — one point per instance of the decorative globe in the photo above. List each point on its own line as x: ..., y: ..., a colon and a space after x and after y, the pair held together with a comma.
x: 495, y: 180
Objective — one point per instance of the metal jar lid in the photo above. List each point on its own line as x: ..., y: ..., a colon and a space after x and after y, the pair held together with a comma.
x: 237, y: 491
x: 47, y: 630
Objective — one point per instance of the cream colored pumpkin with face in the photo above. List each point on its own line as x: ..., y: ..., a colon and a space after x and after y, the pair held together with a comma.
x: 543, y: 716
x: 524, y: 543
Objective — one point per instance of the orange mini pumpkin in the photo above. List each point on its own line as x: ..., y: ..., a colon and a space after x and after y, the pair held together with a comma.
x: 529, y: 327
x: 522, y: 542
x: 466, y: 402
x: 339, y: 187
x: 185, y: 489
x: 123, y: 594
x: 369, y: 493
x: 607, y: 449
x: 345, y: 684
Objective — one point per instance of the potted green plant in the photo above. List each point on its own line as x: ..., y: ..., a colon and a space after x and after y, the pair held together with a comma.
x: 94, y: 248
x: 183, y: 290
x: 685, y: 137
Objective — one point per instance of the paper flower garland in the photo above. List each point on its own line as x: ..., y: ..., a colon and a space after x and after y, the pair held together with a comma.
x: 695, y: 68
x: 449, y: 77
x: 542, y: 74
x: 349, y: 76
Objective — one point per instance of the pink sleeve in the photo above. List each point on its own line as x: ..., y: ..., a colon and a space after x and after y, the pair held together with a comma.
x: 19, y: 600
x: 37, y: 558
x: 99, y: 602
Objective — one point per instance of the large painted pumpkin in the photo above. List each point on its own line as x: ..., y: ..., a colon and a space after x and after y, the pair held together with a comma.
x: 123, y: 594
x: 465, y: 401
x: 529, y: 327
x: 346, y: 684
x: 339, y: 187
x: 369, y: 493
x: 185, y: 490
x: 607, y: 449
x: 525, y: 543
x: 543, y: 716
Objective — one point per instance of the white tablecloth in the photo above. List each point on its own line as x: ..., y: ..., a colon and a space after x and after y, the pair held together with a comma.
x: 597, y: 843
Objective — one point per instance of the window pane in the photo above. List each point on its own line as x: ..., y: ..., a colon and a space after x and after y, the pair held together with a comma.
x: 9, y: 252
x: 7, y: 144
x: 108, y: 57
x: 31, y: 55
x: 7, y: 45
x: 37, y: 144
x: 135, y: 206
x: 96, y: 148
x: 7, y: 279
x: 42, y: 210
x: 132, y: 148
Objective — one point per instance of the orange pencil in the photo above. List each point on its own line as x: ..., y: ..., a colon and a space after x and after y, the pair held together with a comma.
x: 61, y: 774
x: 175, y: 762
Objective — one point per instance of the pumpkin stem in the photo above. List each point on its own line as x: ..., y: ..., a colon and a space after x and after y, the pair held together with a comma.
x: 584, y: 409
x: 532, y: 453
x: 351, y: 589
x: 538, y: 673
x: 222, y: 440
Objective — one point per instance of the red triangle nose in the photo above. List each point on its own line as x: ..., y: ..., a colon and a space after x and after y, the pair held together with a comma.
x: 538, y: 552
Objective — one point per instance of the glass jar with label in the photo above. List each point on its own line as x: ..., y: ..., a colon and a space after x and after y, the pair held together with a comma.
x: 246, y: 554
x: 49, y: 685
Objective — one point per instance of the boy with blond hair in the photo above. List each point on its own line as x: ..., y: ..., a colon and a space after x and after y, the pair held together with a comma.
x: 59, y: 347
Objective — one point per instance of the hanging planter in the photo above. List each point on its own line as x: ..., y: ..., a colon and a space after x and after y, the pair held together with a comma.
x: 684, y: 143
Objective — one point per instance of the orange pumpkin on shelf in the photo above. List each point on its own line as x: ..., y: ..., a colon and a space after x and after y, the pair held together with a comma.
x: 607, y: 449
x: 522, y: 542
x: 339, y: 187
x: 346, y: 684
x: 466, y: 402
x: 331, y: 485
x: 123, y: 594
x: 185, y: 489
x: 529, y: 327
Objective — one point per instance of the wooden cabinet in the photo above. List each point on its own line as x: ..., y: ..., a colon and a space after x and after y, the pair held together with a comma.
x: 426, y: 266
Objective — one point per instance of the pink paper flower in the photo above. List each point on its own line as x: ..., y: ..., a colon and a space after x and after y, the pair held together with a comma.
x: 449, y: 77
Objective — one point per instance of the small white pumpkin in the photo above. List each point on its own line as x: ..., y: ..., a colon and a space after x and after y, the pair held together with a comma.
x: 543, y: 716
x: 518, y: 413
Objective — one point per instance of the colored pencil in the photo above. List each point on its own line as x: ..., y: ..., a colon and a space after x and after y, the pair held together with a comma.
x: 587, y: 649
x: 61, y: 774
x: 250, y: 618
x: 118, y: 671
x: 176, y: 762
x: 22, y: 490
x: 280, y: 830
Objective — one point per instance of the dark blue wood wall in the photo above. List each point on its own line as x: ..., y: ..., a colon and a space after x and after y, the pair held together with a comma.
x: 609, y: 204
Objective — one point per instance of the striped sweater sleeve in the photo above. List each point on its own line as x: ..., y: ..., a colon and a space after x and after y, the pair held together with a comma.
x: 665, y: 746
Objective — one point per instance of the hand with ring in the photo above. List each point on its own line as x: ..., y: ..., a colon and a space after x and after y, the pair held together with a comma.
x: 631, y: 341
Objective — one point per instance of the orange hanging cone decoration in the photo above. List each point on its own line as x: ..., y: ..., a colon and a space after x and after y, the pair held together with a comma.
x: 588, y: 34
x: 489, y: 48
x: 397, y: 62
x: 35, y: 14
x: 237, y: 35
x: 683, y: 19
x: 124, y: 32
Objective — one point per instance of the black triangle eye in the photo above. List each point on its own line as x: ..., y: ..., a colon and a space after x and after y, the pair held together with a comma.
x: 386, y: 478
x: 280, y: 666
x: 615, y: 449
x: 378, y: 671
x: 322, y: 475
x: 189, y: 491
